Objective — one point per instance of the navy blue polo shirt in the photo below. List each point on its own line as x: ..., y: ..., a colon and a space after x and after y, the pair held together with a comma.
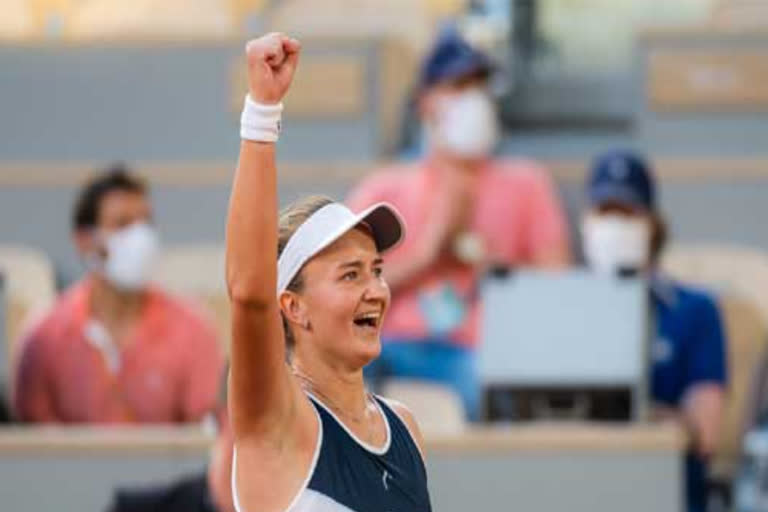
x: 689, y: 349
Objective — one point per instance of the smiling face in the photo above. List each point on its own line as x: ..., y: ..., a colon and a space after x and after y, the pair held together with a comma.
x: 338, y: 313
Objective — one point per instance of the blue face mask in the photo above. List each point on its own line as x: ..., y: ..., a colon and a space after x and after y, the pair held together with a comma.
x: 443, y: 309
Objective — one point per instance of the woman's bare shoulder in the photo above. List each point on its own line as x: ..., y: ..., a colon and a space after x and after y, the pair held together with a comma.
x: 405, y: 414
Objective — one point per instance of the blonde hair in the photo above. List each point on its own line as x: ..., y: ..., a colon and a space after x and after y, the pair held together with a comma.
x: 290, y: 219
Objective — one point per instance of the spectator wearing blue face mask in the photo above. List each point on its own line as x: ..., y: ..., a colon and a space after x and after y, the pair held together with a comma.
x: 623, y: 233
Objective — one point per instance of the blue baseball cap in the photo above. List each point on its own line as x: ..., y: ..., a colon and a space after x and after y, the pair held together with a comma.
x: 452, y: 57
x: 622, y: 177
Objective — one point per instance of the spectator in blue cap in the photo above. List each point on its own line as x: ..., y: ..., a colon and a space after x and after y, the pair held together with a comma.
x: 466, y: 210
x: 456, y: 109
x: 623, y: 232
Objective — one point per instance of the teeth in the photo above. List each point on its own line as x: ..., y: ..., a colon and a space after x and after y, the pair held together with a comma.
x: 372, y: 319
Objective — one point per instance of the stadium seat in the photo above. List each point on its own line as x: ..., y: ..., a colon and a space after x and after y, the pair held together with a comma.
x: 437, y: 408
x: 740, y: 277
x: 103, y: 19
x: 197, y: 272
x: 17, y: 21
x: 736, y: 270
x: 30, y: 289
x: 747, y: 333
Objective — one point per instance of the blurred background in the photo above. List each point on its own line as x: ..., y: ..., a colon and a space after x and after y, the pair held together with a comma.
x: 593, y: 323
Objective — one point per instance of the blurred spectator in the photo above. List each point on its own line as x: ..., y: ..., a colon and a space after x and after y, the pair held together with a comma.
x: 208, y: 491
x: 466, y: 211
x: 113, y: 348
x: 624, y: 233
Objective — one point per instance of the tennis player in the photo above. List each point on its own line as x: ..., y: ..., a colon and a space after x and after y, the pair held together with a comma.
x: 308, y: 301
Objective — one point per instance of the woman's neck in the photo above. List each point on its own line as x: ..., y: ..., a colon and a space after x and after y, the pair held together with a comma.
x: 342, y: 390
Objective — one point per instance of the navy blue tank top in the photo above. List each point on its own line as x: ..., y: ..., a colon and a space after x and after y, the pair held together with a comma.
x: 347, y: 475
x: 362, y: 478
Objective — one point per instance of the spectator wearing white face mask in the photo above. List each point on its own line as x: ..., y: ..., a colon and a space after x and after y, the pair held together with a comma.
x: 115, y: 349
x: 466, y: 210
x: 623, y: 233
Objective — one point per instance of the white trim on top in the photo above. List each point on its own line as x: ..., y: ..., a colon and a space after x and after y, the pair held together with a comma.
x: 310, y: 473
x: 368, y: 447
x: 392, y: 405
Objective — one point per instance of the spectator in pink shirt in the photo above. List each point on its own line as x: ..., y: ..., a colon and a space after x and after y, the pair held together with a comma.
x: 466, y: 211
x: 114, y: 349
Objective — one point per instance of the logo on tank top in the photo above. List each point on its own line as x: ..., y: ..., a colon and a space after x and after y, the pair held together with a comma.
x: 386, y: 476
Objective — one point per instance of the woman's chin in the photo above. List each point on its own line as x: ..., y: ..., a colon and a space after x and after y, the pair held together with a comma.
x: 367, y: 349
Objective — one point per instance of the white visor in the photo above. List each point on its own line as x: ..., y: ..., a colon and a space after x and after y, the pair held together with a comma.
x: 327, y: 225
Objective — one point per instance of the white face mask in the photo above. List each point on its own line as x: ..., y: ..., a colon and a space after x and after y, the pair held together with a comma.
x: 131, y: 253
x: 466, y: 124
x: 613, y: 243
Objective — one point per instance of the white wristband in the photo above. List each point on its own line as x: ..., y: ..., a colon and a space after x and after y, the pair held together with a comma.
x: 260, y: 123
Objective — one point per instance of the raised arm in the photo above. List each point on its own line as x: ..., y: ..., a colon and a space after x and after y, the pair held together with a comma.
x: 260, y: 390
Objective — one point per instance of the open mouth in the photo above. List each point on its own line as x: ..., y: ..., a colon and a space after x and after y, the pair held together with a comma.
x: 370, y: 320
